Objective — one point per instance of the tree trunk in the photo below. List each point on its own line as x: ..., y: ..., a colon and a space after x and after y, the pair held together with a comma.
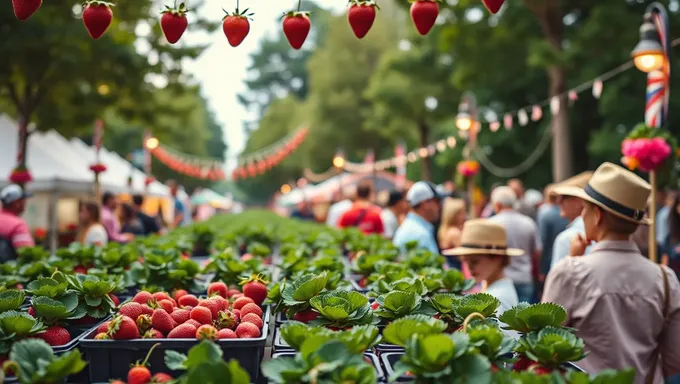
x: 426, y: 162
x: 550, y: 15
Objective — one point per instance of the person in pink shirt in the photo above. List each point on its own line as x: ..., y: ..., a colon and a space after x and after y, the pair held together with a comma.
x: 110, y: 221
x: 14, y: 232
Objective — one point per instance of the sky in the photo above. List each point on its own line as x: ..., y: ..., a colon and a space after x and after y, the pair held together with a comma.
x: 221, y: 69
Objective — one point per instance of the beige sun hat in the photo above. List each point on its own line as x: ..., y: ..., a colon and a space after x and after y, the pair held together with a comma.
x: 573, y: 185
x: 618, y: 191
x: 483, y: 237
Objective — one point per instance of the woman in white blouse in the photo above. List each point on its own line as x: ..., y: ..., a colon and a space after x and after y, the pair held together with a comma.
x: 92, y: 232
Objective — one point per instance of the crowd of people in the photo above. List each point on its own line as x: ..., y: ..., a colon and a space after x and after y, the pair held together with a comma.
x: 582, y: 243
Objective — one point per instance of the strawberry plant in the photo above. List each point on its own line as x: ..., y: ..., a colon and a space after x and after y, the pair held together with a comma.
x: 34, y: 362
x: 204, y: 364
x: 454, y: 309
x: 165, y: 270
x: 407, y: 284
x: 296, y: 295
x: 399, y: 331
x: 342, y: 309
x: 525, y: 318
x: 397, y: 304
x: 490, y: 341
x: 548, y: 349
x: 16, y: 326
x: 358, y: 339
x: 93, y: 294
x: 11, y: 300
x: 52, y: 311
x: 80, y: 256
x: 608, y: 376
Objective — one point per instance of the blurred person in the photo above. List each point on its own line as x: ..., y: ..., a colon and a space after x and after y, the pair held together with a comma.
x: 419, y: 223
x: 130, y: 223
x: 670, y: 247
x: 363, y: 214
x: 625, y: 307
x: 110, y: 221
x: 452, y: 220
x: 150, y: 225
x: 550, y: 224
x: 484, y: 250
x: 522, y: 233
x: 14, y: 233
x: 662, y: 217
x: 571, y: 207
x: 302, y: 211
x: 521, y: 205
x: 339, y: 208
x: 397, y: 207
x: 160, y: 221
x: 180, y: 208
x: 92, y: 232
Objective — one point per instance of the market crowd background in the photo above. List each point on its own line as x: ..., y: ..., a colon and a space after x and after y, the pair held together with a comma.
x: 355, y: 94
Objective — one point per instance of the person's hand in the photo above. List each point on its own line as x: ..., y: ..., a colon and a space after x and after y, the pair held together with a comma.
x: 578, y: 245
x: 128, y: 237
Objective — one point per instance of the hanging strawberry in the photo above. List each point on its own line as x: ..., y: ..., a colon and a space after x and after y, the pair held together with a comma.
x: 236, y: 26
x: 361, y: 16
x: 493, y: 5
x: 296, y: 26
x: 97, y: 17
x: 424, y: 13
x: 174, y: 22
x: 23, y: 9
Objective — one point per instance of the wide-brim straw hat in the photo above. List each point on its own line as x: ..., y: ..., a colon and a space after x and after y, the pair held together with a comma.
x: 483, y: 237
x: 572, y: 185
x: 617, y: 191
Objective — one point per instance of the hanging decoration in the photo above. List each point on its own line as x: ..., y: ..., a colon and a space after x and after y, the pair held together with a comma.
x: 424, y: 14
x: 265, y: 159
x: 23, y: 9
x: 188, y: 165
x: 97, y: 17
x: 236, y: 25
x: 174, y: 22
x: 20, y: 174
x: 296, y: 26
x: 361, y: 16
x: 650, y: 150
x: 493, y: 5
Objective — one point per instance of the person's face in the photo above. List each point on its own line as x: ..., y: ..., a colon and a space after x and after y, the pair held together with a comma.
x: 517, y: 188
x: 84, y: 215
x: 112, y: 203
x: 482, y: 267
x: 403, y: 206
x: 433, y: 209
x: 570, y: 207
x: 592, y: 220
x: 19, y: 206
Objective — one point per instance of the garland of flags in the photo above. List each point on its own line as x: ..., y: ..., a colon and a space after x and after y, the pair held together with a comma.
x: 204, y: 169
x: 265, y: 159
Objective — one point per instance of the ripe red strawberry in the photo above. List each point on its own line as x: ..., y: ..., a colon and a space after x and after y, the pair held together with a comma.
x: 123, y: 328
x: 255, y: 288
x: 236, y: 296
x: 237, y: 313
x: 146, y: 310
x: 241, y: 302
x: 251, y: 308
x: 202, y: 315
x: 80, y: 269
x: 161, y: 378
x: 305, y: 316
x: 23, y: 9
x: 253, y: 318
x: 218, y: 288
x: 161, y: 296
x: 97, y: 17
x: 188, y: 300
x: 424, y: 13
x: 363, y: 282
x: 115, y: 299
x: 361, y: 16
x: 193, y: 322
x: 523, y: 364
x: 174, y: 22
x: 247, y: 331
x: 132, y: 310
x: 375, y: 305
x: 139, y: 373
x: 226, y: 333
x: 167, y: 305
x: 296, y: 26
x: 104, y: 327
x: 227, y: 319
x: 236, y: 27
x: 142, y: 297
x: 206, y: 332
x: 212, y: 305
x: 222, y: 303
x: 56, y: 336
x: 179, y: 293
x: 31, y: 311
x: 183, y: 331
x: 232, y: 292
x: 180, y: 315
x: 162, y: 321
x: 143, y: 322
x: 493, y: 5
x: 152, y: 334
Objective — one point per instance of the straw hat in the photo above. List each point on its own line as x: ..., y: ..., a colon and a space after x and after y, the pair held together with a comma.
x: 618, y: 191
x: 483, y: 237
x: 572, y: 185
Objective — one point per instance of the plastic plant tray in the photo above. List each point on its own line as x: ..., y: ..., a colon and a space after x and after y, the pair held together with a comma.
x: 380, y: 373
x: 111, y: 359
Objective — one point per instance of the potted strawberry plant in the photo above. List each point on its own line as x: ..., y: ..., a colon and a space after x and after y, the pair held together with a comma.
x: 33, y: 361
x: 397, y: 304
x: 205, y: 363
x: 342, y: 309
x: 358, y: 339
x: 454, y: 309
x: 399, y: 331
x: 296, y: 296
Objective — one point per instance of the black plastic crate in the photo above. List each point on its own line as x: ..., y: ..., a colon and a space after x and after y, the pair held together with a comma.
x: 280, y: 344
x: 380, y: 373
x: 111, y: 359
x: 281, y: 318
x: 357, y: 287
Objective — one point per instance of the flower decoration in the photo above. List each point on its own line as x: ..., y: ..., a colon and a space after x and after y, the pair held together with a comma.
x: 40, y: 233
x: 648, y: 149
x: 468, y: 168
x: 20, y: 175
x: 98, y: 168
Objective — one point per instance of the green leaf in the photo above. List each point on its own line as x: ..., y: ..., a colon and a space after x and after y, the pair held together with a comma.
x: 49, y: 308
x: 11, y: 300
x: 47, y: 287
x: 93, y: 301
x: 205, y: 351
x: 19, y: 324
x: 400, y: 331
x: 175, y: 361
x: 526, y: 318
x: 32, y: 355
x: 280, y: 370
x: 64, y: 366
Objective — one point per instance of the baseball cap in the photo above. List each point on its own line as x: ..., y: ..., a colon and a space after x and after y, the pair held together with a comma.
x: 12, y: 193
x: 422, y: 191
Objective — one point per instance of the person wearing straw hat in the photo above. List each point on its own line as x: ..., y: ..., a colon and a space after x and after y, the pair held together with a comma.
x: 570, y: 208
x: 625, y: 307
x: 484, y: 249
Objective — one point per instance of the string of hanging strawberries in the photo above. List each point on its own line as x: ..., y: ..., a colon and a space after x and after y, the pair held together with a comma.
x: 97, y: 17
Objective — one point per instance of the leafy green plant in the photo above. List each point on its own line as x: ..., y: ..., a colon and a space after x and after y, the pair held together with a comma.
x: 26, y: 255
x: 16, y: 326
x: 11, y: 300
x: 342, y: 309
x: 399, y: 331
x: 229, y: 269
x: 408, y: 284
x: 205, y: 364
x: 93, y: 294
x: 52, y: 311
x: 34, y: 362
x: 525, y: 318
x: 454, y: 309
x: 490, y: 341
x: 551, y: 347
x: 398, y: 304
x: 358, y: 339
x: 297, y: 294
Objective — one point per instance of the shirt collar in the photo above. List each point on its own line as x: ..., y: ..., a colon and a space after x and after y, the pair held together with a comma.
x: 8, y: 212
x: 614, y: 245
x: 576, y: 223
x: 419, y: 220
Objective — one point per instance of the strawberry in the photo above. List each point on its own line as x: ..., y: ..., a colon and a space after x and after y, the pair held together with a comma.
x: 97, y: 17
x: 31, y: 311
x: 167, y: 305
x: 523, y: 364
x: 222, y: 303
x: 146, y: 310
x: 247, y: 331
x: 143, y: 322
x: 540, y: 370
x: 493, y: 5
x: 305, y: 316
x: 241, y: 302
x: 132, y: 310
x: 115, y: 299
x: 56, y: 336
x: 188, y: 300
x: 202, y: 315
x: 179, y: 293
x: 253, y: 318
x: 236, y: 27
x: 142, y: 297
x: 161, y: 296
x: 206, y: 332
x: 296, y: 26
x: 218, y: 288
x: 174, y: 22
x: 246, y: 257
x: 104, y: 327
x: 237, y: 313
x: 139, y: 373
x: 162, y: 321
x: 183, y: 331
x: 236, y: 296
x: 361, y: 16
x: 152, y: 334
x: 226, y: 333
x: 363, y: 282
x: 193, y: 322
x: 102, y: 336
x: 80, y: 269
x: 212, y: 305
x: 255, y: 288
x: 123, y: 328
x: 251, y: 308
x: 232, y: 292
x: 161, y: 378
x: 375, y: 305
x: 23, y: 9
x: 227, y: 319
x: 180, y: 315
x: 424, y: 13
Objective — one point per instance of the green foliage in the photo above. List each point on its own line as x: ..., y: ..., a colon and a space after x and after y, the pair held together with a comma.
x: 552, y: 347
x: 35, y: 362
x: 525, y: 317
x: 399, y: 331
x: 342, y: 309
x: 358, y: 339
x: 204, y: 364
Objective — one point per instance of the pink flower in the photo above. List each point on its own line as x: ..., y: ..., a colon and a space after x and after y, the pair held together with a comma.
x: 650, y: 154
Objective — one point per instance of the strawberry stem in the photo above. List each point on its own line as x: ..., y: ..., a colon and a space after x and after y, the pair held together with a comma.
x: 149, y: 354
x: 299, y: 4
x: 237, y: 1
